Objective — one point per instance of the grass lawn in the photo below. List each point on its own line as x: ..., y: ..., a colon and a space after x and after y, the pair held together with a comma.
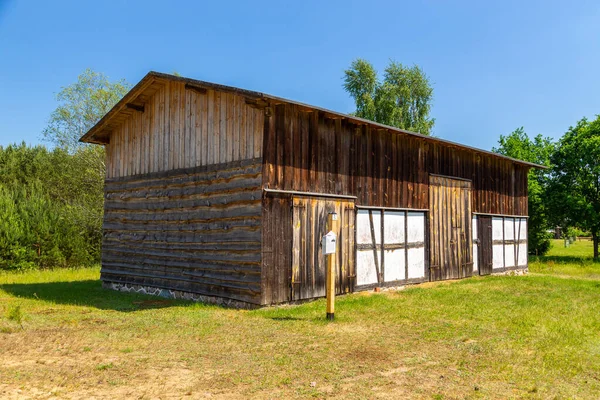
x: 535, y: 336
x: 573, y: 261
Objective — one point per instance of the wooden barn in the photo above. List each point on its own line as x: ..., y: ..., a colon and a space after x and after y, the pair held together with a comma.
x: 221, y: 194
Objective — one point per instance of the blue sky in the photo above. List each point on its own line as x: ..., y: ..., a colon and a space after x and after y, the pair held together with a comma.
x: 494, y: 67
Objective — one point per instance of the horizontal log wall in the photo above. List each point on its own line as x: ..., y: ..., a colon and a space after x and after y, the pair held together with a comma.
x: 179, y: 127
x: 195, y: 230
x: 309, y: 150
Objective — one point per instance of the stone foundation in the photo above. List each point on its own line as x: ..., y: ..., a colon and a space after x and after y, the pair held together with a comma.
x: 177, y: 295
x: 513, y: 272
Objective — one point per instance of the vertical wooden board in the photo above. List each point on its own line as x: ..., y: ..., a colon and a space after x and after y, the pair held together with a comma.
x: 258, y: 124
x: 236, y: 122
x: 198, y: 106
x: 139, y: 157
x: 296, y: 280
x: 241, y: 126
x: 296, y: 150
x: 313, y: 149
x: 190, y: 129
x: 216, y: 156
x: 288, y: 147
x: 183, y: 131
x: 224, y: 135
x: 230, y: 137
x: 167, y: 149
x: 248, y: 129
x: 351, y: 251
x: 318, y: 288
x: 157, y: 129
x: 195, y: 135
x: 132, y: 120
x: 280, y: 134
x: 174, y: 126
x: 304, y: 151
x: 206, y: 127
x: 312, y: 256
x: 108, y: 161
x: 145, y: 143
x: 125, y: 141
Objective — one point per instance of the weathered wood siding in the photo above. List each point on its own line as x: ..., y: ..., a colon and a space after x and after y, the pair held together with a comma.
x: 195, y: 229
x: 450, y: 229
x: 309, y: 150
x: 184, y: 128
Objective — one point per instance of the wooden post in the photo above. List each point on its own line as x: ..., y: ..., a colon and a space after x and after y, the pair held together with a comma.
x: 332, y: 221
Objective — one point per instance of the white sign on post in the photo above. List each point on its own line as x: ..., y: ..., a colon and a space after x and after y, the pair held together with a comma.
x: 329, y: 243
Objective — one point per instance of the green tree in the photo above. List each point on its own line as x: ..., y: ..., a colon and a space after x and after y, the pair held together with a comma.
x: 82, y: 104
x: 43, y: 210
x: 403, y: 99
x: 539, y: 150
x: 574, y: 190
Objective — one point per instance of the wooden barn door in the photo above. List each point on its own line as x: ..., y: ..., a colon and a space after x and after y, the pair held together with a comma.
x: 450, y: 228
x: 309, y: 267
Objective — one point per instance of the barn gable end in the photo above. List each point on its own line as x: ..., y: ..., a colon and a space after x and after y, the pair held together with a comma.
x: 182, y: 206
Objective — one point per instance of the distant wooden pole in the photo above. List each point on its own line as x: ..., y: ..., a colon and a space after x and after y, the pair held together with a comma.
x: 331, y: 262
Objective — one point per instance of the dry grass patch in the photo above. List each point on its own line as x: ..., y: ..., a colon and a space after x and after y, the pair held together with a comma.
x: 495, y: 337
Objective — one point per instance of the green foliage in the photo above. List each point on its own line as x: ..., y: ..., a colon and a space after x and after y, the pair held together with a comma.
x: 50, y: 208
x: 539, y: 150
x: 82, y: 104
x: 574, y: 189
x: 51, y: 202
x: 402, y: 99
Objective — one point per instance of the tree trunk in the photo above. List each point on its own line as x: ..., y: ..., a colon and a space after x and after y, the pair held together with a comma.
x: 595, y: 240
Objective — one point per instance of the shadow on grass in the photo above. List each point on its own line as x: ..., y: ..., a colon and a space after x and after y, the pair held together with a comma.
x: 287, y: 318
x: 565, y: 259
x: 88, y: 293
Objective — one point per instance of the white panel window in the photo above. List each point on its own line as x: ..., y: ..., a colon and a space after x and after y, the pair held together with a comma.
x: 403, y: 240
x: 366, y: 264
x: 498, y: 256
x: 363, y: 227
x: 416, y: 263
x: 393, y: 228
x: 509, y: 248
x: 416, y: 236
x: 509, y: 229
x: 522, y: 232
x: 509, y: 255
x: 497, y: 225
x: 522, y: 245
x: 416, y: 227
x: 366, y: 272
x: 394, y: 265
x: 498, y: 249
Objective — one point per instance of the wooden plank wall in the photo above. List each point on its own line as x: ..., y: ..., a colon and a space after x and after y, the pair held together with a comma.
x: 185, y: 128
x: 195, y: 229
x: 310, y: 150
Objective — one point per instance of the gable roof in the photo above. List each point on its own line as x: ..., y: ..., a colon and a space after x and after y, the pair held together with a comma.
x: 150, y: 83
